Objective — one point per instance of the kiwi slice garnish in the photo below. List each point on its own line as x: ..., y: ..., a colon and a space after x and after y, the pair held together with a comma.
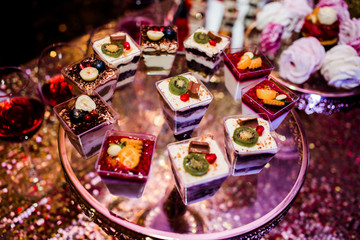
x: 112, y: 49
x: 245, y: 136
x: 178, y: 85
x: 195, y: 164
x: 201, y: 37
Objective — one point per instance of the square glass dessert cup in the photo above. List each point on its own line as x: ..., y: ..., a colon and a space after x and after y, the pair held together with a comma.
x: 119, y: 51
x: 124, y: 162
x: 249, y: 142
x: 159, y: 45
x: 91, y: 74
x: 211, y: 169
x: 249, y: 70
x: 86, y: 129
x: 183, y: 116
x: 275, y: 100
x: 204, y: 52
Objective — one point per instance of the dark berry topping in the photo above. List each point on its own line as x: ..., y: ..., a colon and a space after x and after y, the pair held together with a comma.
x: 76, y: 115
x: 99, y: 65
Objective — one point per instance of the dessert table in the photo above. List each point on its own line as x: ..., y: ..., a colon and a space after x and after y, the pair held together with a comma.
x: 309, y: 189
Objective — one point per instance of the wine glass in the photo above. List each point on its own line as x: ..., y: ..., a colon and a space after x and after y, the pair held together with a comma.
x: 51, y: 83
x: 21, y: 116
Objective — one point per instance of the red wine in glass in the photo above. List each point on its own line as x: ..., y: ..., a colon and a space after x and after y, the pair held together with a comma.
x: 56, y: 90
x: 20, y: 118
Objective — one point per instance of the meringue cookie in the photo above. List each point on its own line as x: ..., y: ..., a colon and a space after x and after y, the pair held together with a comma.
x: 270, y: 39
x: 349, y: 30
x: 341, y: 67
x: 355, y: 43
x: 301, y: 59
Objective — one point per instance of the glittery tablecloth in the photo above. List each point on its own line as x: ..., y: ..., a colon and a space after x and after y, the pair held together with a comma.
x: 326, y: 208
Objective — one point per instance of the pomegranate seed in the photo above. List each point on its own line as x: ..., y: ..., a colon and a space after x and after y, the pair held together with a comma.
x: 259, y: 129
x: 81, y: 66
x: 155, y: 29
x: 87, y: 117
x: 211, y: 157
x: 162, y: 29
x: 184, y: 97
x: 212, y: 42
x: 126, y: 45
x: 94, y: 113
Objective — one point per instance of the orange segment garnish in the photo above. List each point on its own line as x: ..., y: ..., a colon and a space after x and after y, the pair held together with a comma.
x: 273, y: 102
x: 255, y: 63
x: 244, y: 62
x: 265, y: 93
x: 129, y: 157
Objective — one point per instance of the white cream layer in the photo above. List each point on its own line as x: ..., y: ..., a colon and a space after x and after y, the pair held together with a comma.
x: 125, y: 58
x: 216, y: 170
x: 205, y: 96
x: 206, y: 48
x: 164, y: 61
x: 266, y: 141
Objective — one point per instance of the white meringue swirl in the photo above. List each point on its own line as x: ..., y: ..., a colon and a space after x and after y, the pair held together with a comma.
x: 301, y: 59
x: 341, y: 67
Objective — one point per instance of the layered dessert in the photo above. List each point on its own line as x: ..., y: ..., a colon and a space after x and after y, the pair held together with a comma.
x: 323, y: 24
x: 124, y: 162
x: 159, y: 45
x: 249, y: 142
x: 243, y: 67
x: 91, y: 74
x: 341, y: 67
x: 270, y: 99
x: 184, y: 100
x: 199, y: 168
x: 301, y: 59
x: 204, y: 53
x: 85, y: 119
x: 121, y: 52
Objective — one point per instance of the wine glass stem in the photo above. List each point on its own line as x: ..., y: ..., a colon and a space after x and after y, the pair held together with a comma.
x: 32, y: 173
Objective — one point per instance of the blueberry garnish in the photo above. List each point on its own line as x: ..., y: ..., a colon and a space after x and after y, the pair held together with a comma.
x: 99, y: 65
x: 169, y: 33
x: 76, y: 115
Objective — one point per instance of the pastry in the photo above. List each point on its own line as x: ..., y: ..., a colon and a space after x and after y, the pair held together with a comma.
x: 341, y: 67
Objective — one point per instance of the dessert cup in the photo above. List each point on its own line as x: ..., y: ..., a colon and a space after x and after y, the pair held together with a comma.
x: 124, y: 162
x: 99, y: 78
x: 276, y: 112
x: 243, y: 158
x: 85, y: 129
x: 125, y: 61
x: 235, y: 78
x: 159, y: 45
x: 183, y: 116
x: 201, y: 183
x: 204, y: 56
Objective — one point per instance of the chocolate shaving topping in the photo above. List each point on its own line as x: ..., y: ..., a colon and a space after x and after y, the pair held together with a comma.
x: 118, y: 38
x: 252, y: 122
x: 214, y: 37
x: 199, y: 147
x: 194, y: 87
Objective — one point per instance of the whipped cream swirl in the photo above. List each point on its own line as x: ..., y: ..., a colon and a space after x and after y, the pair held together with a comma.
x: 301, y: 59
x: 349, y: 30
x: 341, y: 67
